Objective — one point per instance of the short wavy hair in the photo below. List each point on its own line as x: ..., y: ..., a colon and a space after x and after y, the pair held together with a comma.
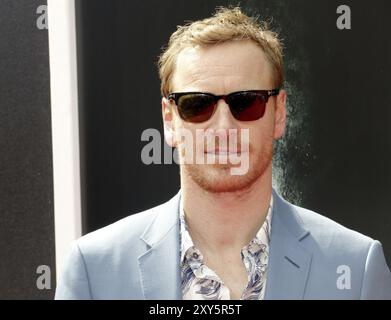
x: 227, y: 24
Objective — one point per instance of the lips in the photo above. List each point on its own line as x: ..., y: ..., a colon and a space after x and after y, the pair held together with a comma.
x: 223, y: 152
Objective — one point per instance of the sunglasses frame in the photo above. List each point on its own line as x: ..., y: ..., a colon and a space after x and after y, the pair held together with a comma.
x: 175, y: 96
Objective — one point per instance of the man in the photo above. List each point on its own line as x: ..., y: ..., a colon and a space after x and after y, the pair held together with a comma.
x: 225, y: 235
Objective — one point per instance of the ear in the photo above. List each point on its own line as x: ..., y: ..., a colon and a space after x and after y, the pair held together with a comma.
x: 280, y: 115
x: 168, y: 122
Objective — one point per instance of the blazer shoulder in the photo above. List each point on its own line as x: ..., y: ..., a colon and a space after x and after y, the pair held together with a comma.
x: 336, y: 245
x: 116, y: 235
x: 331, y: 233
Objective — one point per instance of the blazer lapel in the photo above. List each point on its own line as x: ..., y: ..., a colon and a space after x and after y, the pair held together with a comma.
x: 160, y: 264
x: 289, y: 262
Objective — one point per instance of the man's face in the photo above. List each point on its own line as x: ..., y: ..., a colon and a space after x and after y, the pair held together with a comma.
x: 222, y: 69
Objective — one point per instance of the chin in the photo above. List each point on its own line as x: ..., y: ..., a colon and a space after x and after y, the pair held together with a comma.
x: 218, y: 178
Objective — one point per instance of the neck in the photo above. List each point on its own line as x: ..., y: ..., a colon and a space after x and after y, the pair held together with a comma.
x: 222, y: 222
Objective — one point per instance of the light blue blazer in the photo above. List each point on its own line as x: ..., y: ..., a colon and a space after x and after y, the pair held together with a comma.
x: 311, y: 257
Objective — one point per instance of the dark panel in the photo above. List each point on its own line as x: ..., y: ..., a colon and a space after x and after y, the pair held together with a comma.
x: 335, y: 154
x: 26, y: 196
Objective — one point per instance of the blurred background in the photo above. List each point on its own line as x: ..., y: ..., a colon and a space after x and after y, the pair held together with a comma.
x: 334, y: 158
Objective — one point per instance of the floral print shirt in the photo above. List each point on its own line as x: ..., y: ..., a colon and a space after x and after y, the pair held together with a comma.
x: 201, y: 283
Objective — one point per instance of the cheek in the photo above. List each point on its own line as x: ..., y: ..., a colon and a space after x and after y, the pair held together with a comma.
x: 178, y: 126
x: 184, y: 135
x: 261, y: 135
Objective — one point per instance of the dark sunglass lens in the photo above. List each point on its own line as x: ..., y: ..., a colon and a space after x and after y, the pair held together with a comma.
x: 247, y: 106
x: 196, y: 107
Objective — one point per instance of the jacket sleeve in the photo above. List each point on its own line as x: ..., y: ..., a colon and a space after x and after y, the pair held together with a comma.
x: 377, y: 277
x: 73, y: 283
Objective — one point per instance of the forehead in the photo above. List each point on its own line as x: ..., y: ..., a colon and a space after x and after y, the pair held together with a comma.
x: 222, y: 68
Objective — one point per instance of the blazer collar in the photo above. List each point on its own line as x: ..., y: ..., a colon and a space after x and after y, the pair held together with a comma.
x: 159, y: 265
x: 289, y: 262
x: 167, y: 218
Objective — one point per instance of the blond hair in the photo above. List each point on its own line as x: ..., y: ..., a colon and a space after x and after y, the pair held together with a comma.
x: 227, y: 24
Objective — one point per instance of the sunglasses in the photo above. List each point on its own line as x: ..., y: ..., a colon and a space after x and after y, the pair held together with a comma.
x: 198, y: 107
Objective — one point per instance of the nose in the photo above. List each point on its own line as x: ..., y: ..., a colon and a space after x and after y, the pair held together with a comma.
x: 221, y: 123
x: 223, y: 118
